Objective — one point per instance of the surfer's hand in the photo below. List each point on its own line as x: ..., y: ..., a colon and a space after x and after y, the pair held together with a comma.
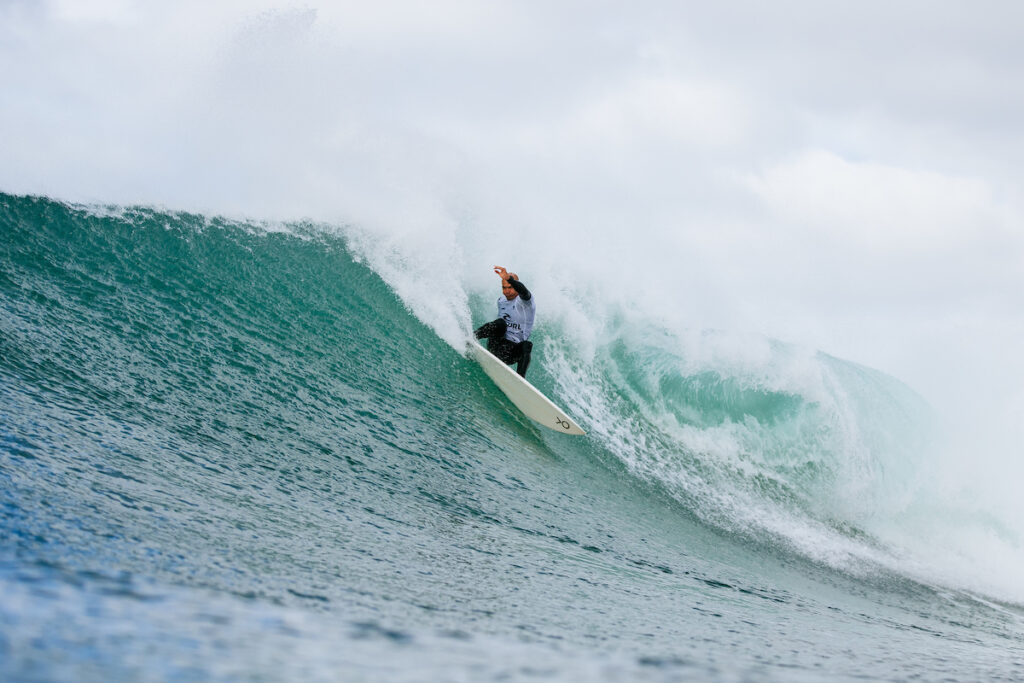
x: 502, y: 273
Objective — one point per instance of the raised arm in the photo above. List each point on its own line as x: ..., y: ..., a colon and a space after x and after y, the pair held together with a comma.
x: 520, y: 288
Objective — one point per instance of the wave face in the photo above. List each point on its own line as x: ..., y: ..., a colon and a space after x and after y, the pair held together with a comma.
x: 230, y: 450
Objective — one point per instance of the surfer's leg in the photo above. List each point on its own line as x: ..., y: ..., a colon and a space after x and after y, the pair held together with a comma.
x: 524, y: 358
x: 492, y: 330
x: 494, y: 333
x: 503, y: 349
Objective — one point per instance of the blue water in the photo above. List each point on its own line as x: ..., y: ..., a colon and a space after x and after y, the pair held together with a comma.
x: 230, y: 452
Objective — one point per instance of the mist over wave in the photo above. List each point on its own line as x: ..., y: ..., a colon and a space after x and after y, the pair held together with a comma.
x: 775, y: 440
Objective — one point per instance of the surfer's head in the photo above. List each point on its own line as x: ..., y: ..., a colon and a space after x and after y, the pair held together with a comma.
x: 506, y: 288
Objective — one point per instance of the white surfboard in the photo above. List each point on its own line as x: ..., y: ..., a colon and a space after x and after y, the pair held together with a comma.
x: 524, y: 395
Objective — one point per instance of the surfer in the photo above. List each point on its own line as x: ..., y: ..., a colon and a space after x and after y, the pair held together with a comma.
x: 508, y: 336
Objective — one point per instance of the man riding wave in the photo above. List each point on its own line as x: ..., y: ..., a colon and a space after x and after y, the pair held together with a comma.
x: 508, y: 336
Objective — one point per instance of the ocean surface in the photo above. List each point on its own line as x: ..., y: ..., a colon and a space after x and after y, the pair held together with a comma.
x: 231, y: 450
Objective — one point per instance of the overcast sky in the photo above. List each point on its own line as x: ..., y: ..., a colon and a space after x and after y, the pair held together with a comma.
x: 841, y: 175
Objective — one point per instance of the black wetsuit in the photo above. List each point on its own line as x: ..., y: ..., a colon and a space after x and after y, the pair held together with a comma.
x: 506, y: 350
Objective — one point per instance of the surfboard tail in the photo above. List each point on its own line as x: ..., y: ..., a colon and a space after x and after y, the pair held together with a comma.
x: 523, y: 395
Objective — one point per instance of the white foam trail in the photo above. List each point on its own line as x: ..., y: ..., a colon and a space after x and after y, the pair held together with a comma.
x: 861, y: 488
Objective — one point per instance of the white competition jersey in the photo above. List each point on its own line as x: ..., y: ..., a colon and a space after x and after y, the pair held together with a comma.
x: 518, y: 316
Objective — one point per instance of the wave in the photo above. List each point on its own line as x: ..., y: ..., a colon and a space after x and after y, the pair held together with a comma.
x: 212, y: 335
